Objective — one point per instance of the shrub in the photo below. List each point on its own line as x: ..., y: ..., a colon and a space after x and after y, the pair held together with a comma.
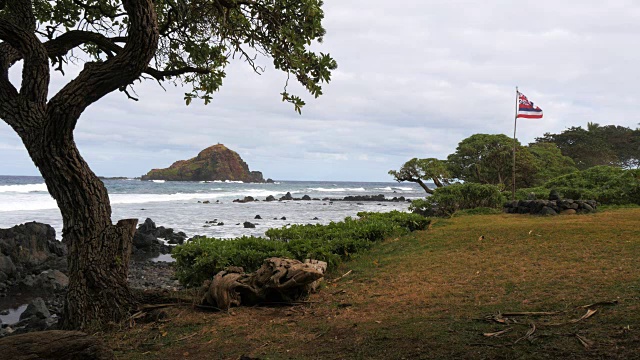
x: 605, y: 184
x: 200, y: 259
x: 447, y: 200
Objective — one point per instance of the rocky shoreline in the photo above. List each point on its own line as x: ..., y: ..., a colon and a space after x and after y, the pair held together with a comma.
x: 33, y: 272
x: 289, y: 197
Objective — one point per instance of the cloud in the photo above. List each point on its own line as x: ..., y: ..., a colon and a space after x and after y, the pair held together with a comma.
x: 414, y: 79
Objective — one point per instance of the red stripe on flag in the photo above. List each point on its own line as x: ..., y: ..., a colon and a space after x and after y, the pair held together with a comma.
x: 530, y: 116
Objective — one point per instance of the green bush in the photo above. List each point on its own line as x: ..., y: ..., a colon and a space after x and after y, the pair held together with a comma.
x: 605, y: 184
x: 448, y: 199
x: 200, y: 259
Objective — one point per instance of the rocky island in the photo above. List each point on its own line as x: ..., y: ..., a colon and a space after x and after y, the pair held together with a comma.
x: 216, y: 162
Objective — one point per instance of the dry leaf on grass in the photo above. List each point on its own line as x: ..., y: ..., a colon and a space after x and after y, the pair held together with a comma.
x: 529, y: 334
x: 584, y: 341
x: 497, y: 333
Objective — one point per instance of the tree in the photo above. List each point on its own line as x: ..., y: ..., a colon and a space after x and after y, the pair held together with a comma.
x: 549, y: 162
x: 585, y: 147
x: 421, y: 170
x: 488, y: 159
x: 186, y: 42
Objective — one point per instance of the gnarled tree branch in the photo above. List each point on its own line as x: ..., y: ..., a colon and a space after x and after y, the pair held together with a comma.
x: 98, y: 79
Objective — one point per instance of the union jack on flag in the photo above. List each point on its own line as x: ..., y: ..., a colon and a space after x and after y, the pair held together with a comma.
x: 526, y: 108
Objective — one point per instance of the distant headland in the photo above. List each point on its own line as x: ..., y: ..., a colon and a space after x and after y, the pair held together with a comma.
x: 216, y: 162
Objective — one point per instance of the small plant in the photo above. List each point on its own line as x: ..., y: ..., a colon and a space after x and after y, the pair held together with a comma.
x: 200, y: 259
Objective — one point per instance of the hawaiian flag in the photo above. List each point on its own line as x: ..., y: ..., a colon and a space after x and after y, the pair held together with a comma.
x: 526, y: 108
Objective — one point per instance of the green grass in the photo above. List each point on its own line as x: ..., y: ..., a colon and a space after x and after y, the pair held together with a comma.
x: 426, y: 295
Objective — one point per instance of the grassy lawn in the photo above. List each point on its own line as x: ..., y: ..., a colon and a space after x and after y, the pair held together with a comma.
x: 436, y: 293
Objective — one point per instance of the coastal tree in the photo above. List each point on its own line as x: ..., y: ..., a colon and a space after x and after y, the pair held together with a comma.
x: 587, y: 148
x: 549, y: 162
x: 421, y: 170
x: 488, y: 159
x: 124, y: 42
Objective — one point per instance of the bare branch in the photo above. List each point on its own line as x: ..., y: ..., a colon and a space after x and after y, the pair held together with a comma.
x: 162, y: 75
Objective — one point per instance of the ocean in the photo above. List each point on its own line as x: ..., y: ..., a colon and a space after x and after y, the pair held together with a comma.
x: 180, y: 205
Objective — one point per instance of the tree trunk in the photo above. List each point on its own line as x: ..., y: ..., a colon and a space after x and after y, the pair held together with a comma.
x: 277, y: 280
x: 424, y: 186
x: 99, y: 251
x: 63, y: 345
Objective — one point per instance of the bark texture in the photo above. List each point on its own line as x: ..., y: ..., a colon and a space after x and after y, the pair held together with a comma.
x: 278, y: 280
x: 98, y: 250
x: 63, y: 345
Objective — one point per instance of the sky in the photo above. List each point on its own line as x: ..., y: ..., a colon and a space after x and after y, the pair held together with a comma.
x: 414, y: 79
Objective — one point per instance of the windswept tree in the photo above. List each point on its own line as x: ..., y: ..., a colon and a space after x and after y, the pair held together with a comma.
x: 421, y: 170
x: 187, y: 42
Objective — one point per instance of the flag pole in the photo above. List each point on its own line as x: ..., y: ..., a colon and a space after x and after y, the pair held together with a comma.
x: 513, y: 168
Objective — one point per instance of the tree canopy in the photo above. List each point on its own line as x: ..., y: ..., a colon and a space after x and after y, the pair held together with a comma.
x: 121, y: 43
x: 598, y: 145
x: 196, y: 39
x: 421, y: 170
x: 488, y: 159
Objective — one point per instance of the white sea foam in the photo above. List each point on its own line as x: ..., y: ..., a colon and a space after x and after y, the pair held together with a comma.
x: 395, y: 188
x: 26, y: 201
x: 18, y: 202
x: 336, y: 189
x: 25, y: 188
x: 158, y: 181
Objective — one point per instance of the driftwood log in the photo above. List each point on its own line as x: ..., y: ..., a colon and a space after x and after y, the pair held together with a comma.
x: 56, y: 344
x: 278, y: 280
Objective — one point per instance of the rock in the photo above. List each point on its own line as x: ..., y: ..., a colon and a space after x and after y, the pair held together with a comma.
x: 270, y: 198
x: 36, y: 308
x: 52, y: 280
x: 258, y: 217
x: 379, y: 197
x: 28, y: 281
x: 568, y: 212
x: 6, y: 265
x: 245, y: 200
x: 221, y: 224
x: 248, y: 225
x: 143, y: 241
x: 315, y: 218
x: 587, y: 208
x: 216, y: 162
x: 306, y: 197
x: 269, y: 181
x: 283, y: 218
x: 29, y: 247
x: 287, y: 196
x: 206, y: 202
x: 547, y: 211
x: 553, y: 195
x: 148, y: 227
